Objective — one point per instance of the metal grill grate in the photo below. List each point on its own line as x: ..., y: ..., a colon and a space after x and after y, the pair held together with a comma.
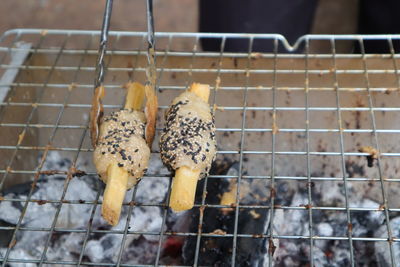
x: 298, y: 119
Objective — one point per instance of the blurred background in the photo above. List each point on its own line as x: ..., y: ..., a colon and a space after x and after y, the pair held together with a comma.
x: 332, y: 16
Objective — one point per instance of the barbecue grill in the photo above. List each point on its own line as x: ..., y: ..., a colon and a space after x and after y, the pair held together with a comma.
x: 317, y: 134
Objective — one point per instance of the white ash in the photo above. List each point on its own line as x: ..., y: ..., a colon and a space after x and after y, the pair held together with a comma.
x: 382, y: 249
x: 326, y: 223
x: 296, y: 221
x: 67, y: 247
x: 18, y: 254
x: 324, y: 229
x: 95, y: 250
x: 8, y: 212
x: 293, y: 252
x: 152, y: 190
x: 99, y: 247
x: 142, y: 249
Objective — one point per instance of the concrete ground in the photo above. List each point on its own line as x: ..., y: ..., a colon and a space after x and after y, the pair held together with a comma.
x: 128, y: 15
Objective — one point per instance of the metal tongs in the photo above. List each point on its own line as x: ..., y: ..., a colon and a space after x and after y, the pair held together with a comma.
x: 96, y: 112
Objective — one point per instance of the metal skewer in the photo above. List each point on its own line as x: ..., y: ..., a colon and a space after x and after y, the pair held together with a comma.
x: 151, y: 60
x: 150, y: 24
x: 100, y: 70
x: 97, y: 105
x: 151, y: 75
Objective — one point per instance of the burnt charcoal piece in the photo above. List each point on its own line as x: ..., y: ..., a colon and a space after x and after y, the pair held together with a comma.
x: 5, y: 235
x: 370, y: 161
x: 217, y: 251
x: 214, y: 251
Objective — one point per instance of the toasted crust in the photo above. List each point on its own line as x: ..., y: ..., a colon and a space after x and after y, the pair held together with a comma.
x: 151, y: 114
x: 96, y: 113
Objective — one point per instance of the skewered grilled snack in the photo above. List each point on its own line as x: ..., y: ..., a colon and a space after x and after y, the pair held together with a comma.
x: 121, y: 155
x: 188, y: 143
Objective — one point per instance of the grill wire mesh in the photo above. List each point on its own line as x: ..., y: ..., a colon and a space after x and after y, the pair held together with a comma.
x: 296, y: 120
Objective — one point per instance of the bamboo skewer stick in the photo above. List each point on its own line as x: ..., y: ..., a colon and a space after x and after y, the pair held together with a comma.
x: 114, y: 194
x: 201, y: 90
x: 135, y: 96
x: 184, y: 183
x: 117, y: 180
x: 183, y: 189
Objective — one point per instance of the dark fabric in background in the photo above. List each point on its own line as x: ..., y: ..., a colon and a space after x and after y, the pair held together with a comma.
x: 291, y: 18
x: 379, y: 17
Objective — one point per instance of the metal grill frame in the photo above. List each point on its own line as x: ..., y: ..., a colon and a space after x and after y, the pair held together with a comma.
x: 67, y: 35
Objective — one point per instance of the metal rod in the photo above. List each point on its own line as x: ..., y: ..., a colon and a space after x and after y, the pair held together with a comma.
x: 175, y: 87
x: 307, y: 126
x: 203, y: 196
x: 165, y: 207
x: 201, y: 70
x: 150, y: 25
x: 271, y: 236
x: 100, y: 72
x: 342, y: 154
x: 242, y: 139
x: 378, y: 160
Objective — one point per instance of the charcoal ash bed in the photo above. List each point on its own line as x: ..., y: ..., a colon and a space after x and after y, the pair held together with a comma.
x: 292, y: 133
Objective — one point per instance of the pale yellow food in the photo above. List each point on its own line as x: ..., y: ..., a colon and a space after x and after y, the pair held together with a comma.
x: 188, y: 143
x: 121, y: 154
x: 114, y: 194
x: 229, y: 198
x: 121, y: 142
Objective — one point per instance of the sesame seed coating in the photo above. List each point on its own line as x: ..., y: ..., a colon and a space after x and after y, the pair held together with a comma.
x: 121, y: 141
x: 188, y: 138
